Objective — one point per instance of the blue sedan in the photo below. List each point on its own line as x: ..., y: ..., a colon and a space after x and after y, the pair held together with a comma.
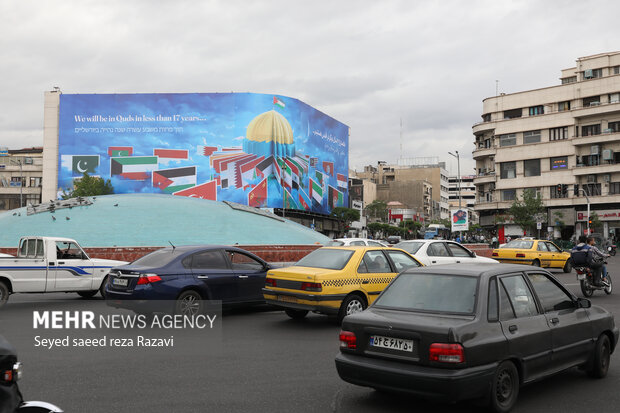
x: 184, y: 276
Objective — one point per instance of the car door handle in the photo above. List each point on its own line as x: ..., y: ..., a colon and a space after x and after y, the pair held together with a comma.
x: 458, y: 262
x: 364, y: 282
x: 60, y: 262
x: 513, y: 328
x: 434, y: 262
x: 202, y: 277
x: 51, y: 264
x: 243, y: 276
x: 555, y: 320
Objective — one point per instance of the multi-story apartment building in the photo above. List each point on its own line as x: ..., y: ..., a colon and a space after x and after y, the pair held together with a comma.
x: 562, y: 141
x: 21, y: 172
x: 408, y: 171
x: 467, y: 193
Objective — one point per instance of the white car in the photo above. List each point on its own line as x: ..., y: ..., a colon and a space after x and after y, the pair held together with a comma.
x: 5, y: 255
x: 436, y: 252
x: 346, y: 242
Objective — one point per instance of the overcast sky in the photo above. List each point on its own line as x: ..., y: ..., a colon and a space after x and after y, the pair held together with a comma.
x: 366, y: 63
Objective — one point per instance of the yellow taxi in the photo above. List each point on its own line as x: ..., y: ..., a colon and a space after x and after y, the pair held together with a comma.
x: 335, y: 280
x: 540, y: 253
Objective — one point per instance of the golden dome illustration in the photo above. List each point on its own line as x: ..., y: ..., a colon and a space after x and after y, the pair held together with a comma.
x: 270, y: 127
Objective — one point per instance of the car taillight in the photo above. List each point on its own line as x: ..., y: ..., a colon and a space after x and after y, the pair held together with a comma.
x: 13, y: 375
x: 270, y: 282
x: 495, y: 254
x: 311, y: 286
x: 348, y: 340
x: 446, y: 353
x: 520, y: 255
x: 148, y: 279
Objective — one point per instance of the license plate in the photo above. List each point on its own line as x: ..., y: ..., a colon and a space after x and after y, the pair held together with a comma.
x: 119, y: 281
x: 391, y: 343
x: 581, y: 277
x: 287, y: 298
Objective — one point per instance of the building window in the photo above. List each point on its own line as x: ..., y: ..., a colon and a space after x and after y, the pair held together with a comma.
x: 532, y: 136
x: 562, y: 106
x: 537, y: 110
x: 614, y: 97
x: 616, y: 70
x: 571, y: 79
x: 592, y: 73
x: 559, y: 191
x: 557, y: 134
x: 591, y: 130
x: 614, y: 188
x: 588, y: 160
x: 508, y: 140
x: 509, y: 194
x: 559, y: 162
x: 508, y: 170
x: 591, y: 101
x: 531, y: 167
x: 592, y: 189
x: 614, y: 127
x: 513, y: 113
x: 486, y: 117
x: 35, y: 182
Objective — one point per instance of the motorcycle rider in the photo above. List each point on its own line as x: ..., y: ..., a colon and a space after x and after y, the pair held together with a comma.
x: 581, y: 256
x: 598, y: 260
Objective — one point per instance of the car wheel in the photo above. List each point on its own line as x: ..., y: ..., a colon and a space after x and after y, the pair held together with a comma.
x: 351, y: 305
x: 599, y: 363
x: 567, y: 267
x: 102, y: 286
x: 586, y: 289
x: 536, y: 263
x: 505, y: 387
x: 296, y: 314
x: 189, y: 303
x: 87, y: 294
x: 4, y: 293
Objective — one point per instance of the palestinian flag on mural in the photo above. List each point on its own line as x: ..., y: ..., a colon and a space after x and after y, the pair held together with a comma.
x: 316, y: 191
x: 278, y: 102
x: 134, y: 167
x: 258, y: 196
x: 175, y: 179
x: 342, y: 181
x: 336, y: 198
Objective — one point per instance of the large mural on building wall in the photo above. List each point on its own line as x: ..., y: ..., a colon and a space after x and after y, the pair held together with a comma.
x: 255, y: 149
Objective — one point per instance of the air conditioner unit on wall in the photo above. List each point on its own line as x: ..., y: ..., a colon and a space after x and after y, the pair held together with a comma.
x: 588, y: 74
x: 607, y: 177
x: 591, y: 179
x: 595, y: 150
x: 608, y: 155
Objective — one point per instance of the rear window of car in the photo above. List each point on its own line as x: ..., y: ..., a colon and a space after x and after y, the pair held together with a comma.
x: 410, y: 247
x: 157, y: 258
x: 331, y: 259
x: 434, y: 293
x: 519, y: 244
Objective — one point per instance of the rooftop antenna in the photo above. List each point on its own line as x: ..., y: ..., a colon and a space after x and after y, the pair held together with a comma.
x: 496, y: 87
x: 173, y: 247
x: 401, y: 138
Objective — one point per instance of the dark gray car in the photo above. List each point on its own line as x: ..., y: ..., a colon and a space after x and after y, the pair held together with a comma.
x: 457, y: 332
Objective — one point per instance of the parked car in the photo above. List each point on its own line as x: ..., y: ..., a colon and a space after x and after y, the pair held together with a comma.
x: 436, y: 252
x: 362, y: 242
x: 5, y: 255
x: 539, y: 253
x: 455, y: 332
x: 335, y: 280
x: 184, y: 276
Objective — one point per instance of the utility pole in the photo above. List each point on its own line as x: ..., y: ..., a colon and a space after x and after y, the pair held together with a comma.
x: 21, y: 181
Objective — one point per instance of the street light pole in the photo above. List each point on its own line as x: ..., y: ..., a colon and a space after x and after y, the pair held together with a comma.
x: 21, y: 181
x: 588, y: 219
x: 458, y: 166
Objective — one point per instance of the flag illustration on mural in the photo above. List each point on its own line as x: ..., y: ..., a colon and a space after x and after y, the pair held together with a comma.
x: 278, y: 102
x: 134, y: 167
x: 316, y: 191
x: 342, y: 181
x: 258, y: 196
x: 314, y: 162
x: 294, y: 173
x: 304, y: 200
x: 336, y: 198
x: 288, y: 201
x: 80, y: 164
x: 114, y: 151
x: 320, y: 178
x: 328, y: 167
x: 175, y: 179
x: 287, y: 176
x: 206, y: 150
x: 180, y: 154
x: 207, y: 190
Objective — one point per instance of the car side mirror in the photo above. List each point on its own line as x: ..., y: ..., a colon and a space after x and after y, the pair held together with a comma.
x: 583, y: 303
x: 473, y: 254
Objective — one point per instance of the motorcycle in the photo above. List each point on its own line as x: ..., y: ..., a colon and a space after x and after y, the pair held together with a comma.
x: 586, y: 282
x: 11, y: 400
x: 611, y: 250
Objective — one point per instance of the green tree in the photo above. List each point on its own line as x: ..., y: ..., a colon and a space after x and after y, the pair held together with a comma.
x: 346, y: 215
x: 89, y: 186
x: 377, y: 209
x: 410, y: 225
x: 596, y: 222
x: 445, y: 222
x: 525, y: 211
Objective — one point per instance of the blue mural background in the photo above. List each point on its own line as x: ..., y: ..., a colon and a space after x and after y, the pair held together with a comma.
x: 206, y: 131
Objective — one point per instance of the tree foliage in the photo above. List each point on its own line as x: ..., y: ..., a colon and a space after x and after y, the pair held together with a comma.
x: 347, y: 215
x: 377, y: 209
x: 410, y: 225
x: 89, y: 186
x: 525, y: 211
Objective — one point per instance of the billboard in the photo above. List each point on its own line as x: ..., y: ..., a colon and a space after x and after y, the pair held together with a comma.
x: 460, y: 220
x: 255, y: 149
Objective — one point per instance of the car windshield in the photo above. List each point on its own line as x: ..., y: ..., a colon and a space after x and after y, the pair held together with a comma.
x: 519, y: 244
x: 332, y: 259
x: 410, y: 247
x: 157, y: 258
x: 435, y: 293
x: 334, y: 243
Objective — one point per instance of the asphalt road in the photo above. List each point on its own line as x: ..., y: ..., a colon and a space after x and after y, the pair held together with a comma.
x: 258, y: 360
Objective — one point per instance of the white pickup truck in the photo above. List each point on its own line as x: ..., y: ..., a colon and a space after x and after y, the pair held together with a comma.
x: 50, y: 264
